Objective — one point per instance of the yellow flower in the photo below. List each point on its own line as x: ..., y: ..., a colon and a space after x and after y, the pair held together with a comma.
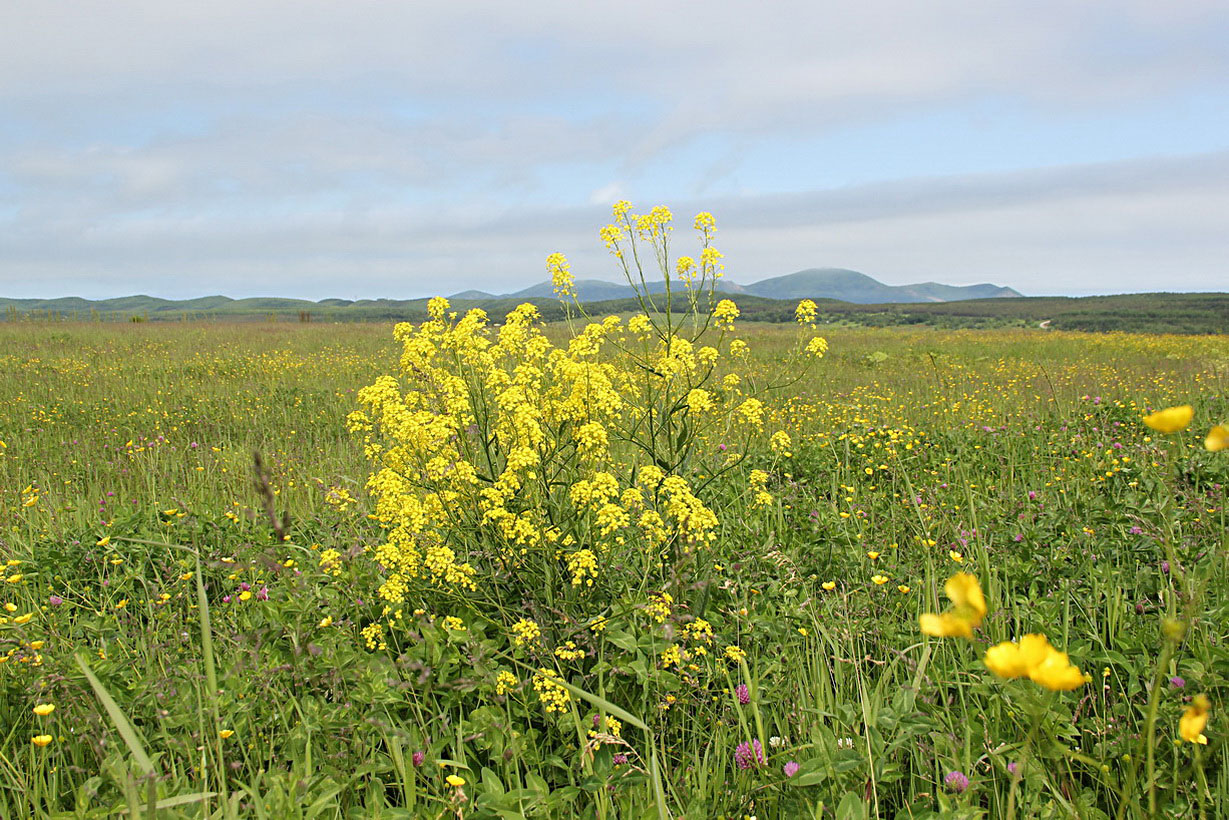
x: 41, y: 740
x: 879, y: 580
x: 1034, y: 658
x: 225, y: 733
x: 1194, y: 720
x: 102, y: 542
x: 44, y: 709
x: 872, y: 555
x: 455, y: 781
x: 829, y: 585
x: 326, y: 621
x: 968, y: 609
x: 955, y: 556
x: 1171, y: 419
x: 903, y: 589
x: 1218, y: 439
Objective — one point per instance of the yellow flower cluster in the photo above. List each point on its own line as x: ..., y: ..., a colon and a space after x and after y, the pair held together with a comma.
x: 583, y: 566
x: 505, y: 682
x: 525, y: 632
x: 552, y: 696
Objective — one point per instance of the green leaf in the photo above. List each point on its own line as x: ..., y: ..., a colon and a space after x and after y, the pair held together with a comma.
x: 129, y: 734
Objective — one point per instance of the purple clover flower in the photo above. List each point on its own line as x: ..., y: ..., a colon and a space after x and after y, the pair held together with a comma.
x: 749, y: 755
x: 744, y: 694
x: 956, y: 781
x: 791, y: 768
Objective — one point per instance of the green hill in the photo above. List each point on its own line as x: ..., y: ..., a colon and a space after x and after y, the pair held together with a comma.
x: 1140, y: 312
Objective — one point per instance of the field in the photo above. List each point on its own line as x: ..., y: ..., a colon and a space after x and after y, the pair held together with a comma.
x: 471, y: 635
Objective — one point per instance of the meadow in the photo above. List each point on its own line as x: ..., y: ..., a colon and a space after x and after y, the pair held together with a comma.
x: 515, y: 570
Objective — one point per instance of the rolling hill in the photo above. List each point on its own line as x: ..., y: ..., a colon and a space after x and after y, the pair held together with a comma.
x: 813, y: 283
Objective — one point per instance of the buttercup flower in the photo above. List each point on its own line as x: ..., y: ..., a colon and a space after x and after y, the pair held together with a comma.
x: 1218, y: 439
x: 1171, y: 419
x: 1034, y: 658
x: 1194, y: 720
x: 968, y: 609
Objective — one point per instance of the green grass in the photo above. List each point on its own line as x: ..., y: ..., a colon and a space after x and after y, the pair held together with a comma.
x: 1196, y: 313
x: 1019, y: 449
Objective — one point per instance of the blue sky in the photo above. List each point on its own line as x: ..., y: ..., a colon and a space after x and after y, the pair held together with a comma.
x: 393, y: 149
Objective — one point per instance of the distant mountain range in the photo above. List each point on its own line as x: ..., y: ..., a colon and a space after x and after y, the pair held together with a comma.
x: 817, y: 283
x: 813, y: 283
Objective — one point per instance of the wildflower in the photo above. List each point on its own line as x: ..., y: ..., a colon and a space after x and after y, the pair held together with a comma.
x: 55, y: 600
x: 41, y: 740
x: 829, y: 585
x: 326, y: 621
x: 1171, y: 419
x: 735, y: 653
x: 561, y: 276
x: 44, y: 709
x: 104, y: 541
x: 1034, y: 658
x: 872, y: 555
x: 504, y: 682
x: 525, y: 631
x: 455, y: 781
x: 749, y: 755
x: 1218, y: 439
x: 744, y: 694
x: 791, y: 768
x: 879, y: 580
x: 417, y: 758
x: 551, y: 694
x: 956, y: 781
x: 226, y: 733
x: 1177, y: 682
x: 1194, y: 720
x: 968, y: 609
x: 903, y: 589
x: 619, y: 759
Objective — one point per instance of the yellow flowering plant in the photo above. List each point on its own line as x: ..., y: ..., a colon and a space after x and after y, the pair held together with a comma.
x: 541, y: 480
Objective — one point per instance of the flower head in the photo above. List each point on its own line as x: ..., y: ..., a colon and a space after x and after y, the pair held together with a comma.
x: 956, y: 781
x: 1171, y: 419
x: 967, y: 610
x: 791, y: 768
x: 1218, y: 439
x: 744, y: 694
x: 1195, y: 719
x: 1034, y: 658
x: 749, y: 755
x: 44, y: 709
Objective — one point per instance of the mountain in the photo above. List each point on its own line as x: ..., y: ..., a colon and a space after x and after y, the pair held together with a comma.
x: 814, y: 283
x: 851, y: 286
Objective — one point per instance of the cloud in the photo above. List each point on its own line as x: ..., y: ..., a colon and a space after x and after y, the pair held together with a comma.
x: 393, y: 148
x: 1128, y: 226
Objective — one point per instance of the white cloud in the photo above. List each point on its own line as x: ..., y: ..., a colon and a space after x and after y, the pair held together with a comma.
x: 1134, y: 226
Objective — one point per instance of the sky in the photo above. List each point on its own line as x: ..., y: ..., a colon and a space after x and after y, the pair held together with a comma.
x: 396, y: 149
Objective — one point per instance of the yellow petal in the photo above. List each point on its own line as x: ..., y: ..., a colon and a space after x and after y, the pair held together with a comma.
x: 966, y: 595
x: 1171, y: 419
x: 1057, y: 672
x: 1218, y: 439
x: 945, y: 625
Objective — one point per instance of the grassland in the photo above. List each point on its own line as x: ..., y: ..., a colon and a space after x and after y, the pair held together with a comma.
x: 143, y: 549
x: 1195, y: 313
